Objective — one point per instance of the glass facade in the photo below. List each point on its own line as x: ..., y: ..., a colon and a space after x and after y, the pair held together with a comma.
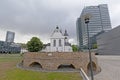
x: 10, y: 36
x: 7, y: 47
x: 99, y: 21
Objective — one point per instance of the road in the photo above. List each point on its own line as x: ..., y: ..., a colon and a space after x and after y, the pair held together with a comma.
x: 110, y: 66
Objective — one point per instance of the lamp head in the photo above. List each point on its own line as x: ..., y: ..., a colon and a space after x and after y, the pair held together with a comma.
x: 87, y: 17
x: 86, y: 20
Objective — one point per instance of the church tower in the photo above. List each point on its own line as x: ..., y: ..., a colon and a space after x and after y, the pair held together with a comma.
x: 66, y: 36
x: 59, y: 42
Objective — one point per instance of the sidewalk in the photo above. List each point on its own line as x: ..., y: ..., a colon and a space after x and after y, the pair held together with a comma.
x: 110, y: 66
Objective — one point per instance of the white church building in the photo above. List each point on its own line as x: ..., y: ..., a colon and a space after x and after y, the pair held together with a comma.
x: 58, y: 42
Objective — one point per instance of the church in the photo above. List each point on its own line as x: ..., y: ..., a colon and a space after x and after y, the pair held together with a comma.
x: 58, y: 42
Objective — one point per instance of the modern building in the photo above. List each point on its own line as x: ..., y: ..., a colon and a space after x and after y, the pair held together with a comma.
x: 109, y: 42
x: 9, y: 46
x: 99, y: 21
x: 58, y: 42
x: 10, y: 36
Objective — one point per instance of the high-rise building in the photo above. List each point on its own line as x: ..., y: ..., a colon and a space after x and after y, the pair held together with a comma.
x: 99, y: 21
x: 10, y: 36
x: 9, y: 46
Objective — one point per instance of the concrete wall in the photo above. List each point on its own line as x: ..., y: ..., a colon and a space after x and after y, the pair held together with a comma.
x: 51, y: 61
x: 109, y: 42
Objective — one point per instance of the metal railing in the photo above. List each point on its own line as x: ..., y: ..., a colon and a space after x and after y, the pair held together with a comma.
x: 83, y: 74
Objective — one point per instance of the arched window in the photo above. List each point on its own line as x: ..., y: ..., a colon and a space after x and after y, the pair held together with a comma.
x: 60, y: 44
x: 54, y: 42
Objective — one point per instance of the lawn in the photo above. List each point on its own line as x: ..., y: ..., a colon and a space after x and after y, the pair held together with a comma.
x: 8, y: 71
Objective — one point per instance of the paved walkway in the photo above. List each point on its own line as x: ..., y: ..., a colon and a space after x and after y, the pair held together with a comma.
x: 110, y: 66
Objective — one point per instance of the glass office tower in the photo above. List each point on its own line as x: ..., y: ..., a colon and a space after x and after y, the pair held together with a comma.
x: 10, y: 36
x: 99, y: 21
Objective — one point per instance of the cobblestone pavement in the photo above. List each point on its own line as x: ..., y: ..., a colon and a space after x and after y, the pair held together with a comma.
x: 110, y: 66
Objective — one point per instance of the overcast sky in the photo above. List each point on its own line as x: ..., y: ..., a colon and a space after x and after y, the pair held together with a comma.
x: 28, y: 18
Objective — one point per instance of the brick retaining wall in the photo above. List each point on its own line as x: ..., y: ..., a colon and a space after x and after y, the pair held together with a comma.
x: 52, y: 60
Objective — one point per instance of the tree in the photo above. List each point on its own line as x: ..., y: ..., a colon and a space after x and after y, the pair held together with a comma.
x: 74, y: 48
x: 34, y: 45
x: 94, y: 46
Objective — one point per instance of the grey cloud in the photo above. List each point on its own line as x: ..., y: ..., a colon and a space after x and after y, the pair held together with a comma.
x: 35, y: 17
x: 41, y: 16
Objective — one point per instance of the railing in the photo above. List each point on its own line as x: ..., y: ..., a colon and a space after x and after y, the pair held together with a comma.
x: 83, y: 74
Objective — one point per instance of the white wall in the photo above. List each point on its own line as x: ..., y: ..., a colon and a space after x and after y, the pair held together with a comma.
x: 57, y: 47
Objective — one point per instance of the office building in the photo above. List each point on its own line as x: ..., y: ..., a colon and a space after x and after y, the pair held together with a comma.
x: 9, y: 46
x: 109, y: 42
x: 10, y: 36
x: 99, y: 21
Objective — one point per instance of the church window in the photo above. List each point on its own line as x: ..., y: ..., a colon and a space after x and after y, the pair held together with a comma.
x: 60, y: 44
x: 54, y: 42
x: 65, y: 37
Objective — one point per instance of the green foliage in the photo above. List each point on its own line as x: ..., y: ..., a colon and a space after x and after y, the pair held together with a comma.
x: 34, y: 45
x: 74, y: 48
x: 94, y: 46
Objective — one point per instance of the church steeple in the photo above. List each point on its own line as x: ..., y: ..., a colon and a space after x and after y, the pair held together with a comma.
x: 66, y: 34
x: 57, y: 27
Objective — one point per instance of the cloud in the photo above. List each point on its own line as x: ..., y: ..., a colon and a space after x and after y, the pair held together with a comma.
x: 40, y: 17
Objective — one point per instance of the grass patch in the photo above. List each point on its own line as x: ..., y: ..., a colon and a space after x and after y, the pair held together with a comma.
x: 8, y: 71
x: 10, y: 57
x: 18, y: 74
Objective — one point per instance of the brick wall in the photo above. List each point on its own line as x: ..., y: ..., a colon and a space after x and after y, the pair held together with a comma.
x: 52, y: 60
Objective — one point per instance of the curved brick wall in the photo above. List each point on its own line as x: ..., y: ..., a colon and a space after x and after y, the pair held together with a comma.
x: 51, y: 61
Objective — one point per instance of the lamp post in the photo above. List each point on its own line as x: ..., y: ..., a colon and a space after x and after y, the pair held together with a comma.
x: 87, y: 17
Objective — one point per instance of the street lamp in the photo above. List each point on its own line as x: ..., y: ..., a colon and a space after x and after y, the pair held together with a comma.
x: 86, y: 18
